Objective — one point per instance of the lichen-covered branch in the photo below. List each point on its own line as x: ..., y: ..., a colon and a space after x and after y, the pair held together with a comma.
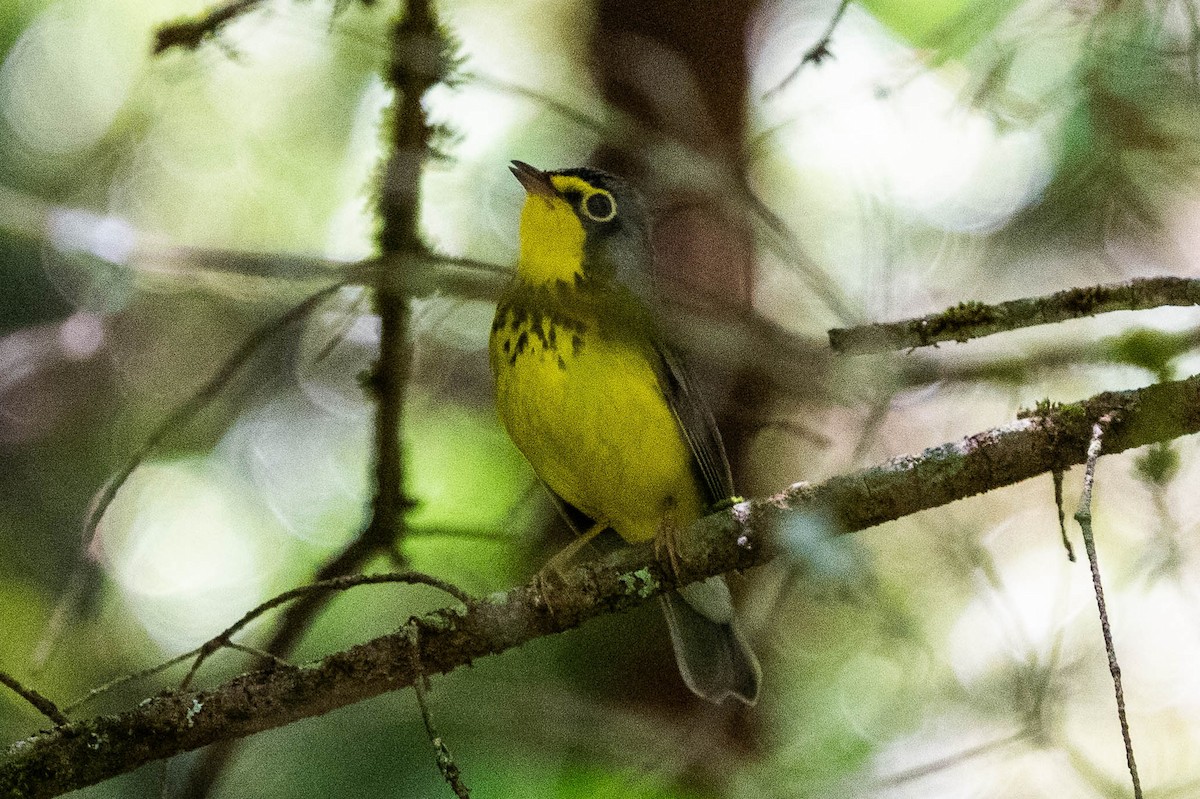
x: 89, y: 751
x: 1084, y: 517
x: 970, y: 320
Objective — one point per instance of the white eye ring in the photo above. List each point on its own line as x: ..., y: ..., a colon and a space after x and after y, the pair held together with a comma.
x: 604, y: 211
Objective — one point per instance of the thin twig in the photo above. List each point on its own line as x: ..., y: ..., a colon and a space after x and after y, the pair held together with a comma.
x: 206, y: 649
x: 124, y: 679
x: 189, y: 33
x: 445, y: 761
x: 815, y: 54
x: 261, y: 654
x: 199, y: 400
x: 176, y: 420
x: 941, y: 764
x: 1084, y: 517
x: 39, y: 702
x: 341, y: 583
x: 64, y: 611
x: 787, y: 246
x: 970, y: 320
x: 581, y: 118
x: 1057, y: 474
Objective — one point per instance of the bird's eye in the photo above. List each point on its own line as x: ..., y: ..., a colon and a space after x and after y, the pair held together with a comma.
x: 600, y: 206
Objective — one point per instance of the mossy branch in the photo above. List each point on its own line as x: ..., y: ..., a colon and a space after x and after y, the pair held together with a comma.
x: 86, y: 752
x: 970, y: 320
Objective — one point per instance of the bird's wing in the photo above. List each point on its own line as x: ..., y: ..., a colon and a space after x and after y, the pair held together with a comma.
x: 698, y: 426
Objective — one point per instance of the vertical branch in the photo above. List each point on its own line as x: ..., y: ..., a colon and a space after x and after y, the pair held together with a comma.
x: 1084, y: 517
x: 418, y: 52
x: 445, y: 761
x: 419, y: 60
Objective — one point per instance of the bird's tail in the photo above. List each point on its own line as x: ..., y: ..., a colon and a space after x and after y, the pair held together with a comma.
x: 714, y: 659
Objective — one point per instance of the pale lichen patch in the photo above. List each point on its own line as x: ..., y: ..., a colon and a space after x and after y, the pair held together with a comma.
x: 193, y: 711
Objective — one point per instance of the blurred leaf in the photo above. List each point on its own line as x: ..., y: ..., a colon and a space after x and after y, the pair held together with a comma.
x: 1152, y: 350
x: 948, y: 27
x: 1159, y: 464
x: 27, y: 298
x: 1129, y: 145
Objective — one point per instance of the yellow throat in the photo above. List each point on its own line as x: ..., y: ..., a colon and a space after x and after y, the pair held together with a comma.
x: 552, y: 237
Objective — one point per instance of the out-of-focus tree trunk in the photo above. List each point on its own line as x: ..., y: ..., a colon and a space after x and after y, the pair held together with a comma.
x: 678, y: 68
x: 680, y: 72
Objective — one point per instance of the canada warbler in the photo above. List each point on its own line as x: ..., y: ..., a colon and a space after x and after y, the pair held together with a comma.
x: 603, y: 411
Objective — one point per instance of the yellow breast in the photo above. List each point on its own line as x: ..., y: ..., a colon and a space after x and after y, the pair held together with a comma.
x: 589, y: 413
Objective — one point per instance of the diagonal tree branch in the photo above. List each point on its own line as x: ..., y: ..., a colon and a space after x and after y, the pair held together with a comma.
x: 39, y: 702
x: 190, y: 32
x: 89, y: 751
x: 970, y: 320
x: 815, y: 54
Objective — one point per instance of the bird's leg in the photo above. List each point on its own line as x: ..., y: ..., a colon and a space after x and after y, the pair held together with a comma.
x: 670, y: 532
x: 552, y: 571
x: 565, y: 555
x: 666, y: 545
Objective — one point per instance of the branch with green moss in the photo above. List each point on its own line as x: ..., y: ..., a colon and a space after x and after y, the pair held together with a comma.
x: 1046, y: 439
x: 970, y: 320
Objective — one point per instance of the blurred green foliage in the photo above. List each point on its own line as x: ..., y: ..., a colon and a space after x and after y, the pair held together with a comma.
x: 953, y: 152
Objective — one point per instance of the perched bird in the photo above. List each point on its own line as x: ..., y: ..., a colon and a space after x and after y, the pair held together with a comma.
x: 602, y: 409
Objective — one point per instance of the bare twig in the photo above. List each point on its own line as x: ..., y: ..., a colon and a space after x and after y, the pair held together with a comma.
x: 39, y: 702
x: 189, y: 33
x: 1057, y: 474
x: 89, y: 751
x: 941, y: 764
x: 261, y: 654
x: 322, y: 587
x: 784, y: 242
x: 445, y: 761
x: 125, y: 679
x: 199, y: 400
x: 970, y: 320
x: 206, y: 649
x: 583, y: 119
x: 1084, y: 517
x: 815, y: 54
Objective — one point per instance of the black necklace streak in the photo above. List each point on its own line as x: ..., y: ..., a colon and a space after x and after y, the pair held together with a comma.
x: 531, y: 321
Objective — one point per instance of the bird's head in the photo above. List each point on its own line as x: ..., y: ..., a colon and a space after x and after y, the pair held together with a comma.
x: 580, y: 226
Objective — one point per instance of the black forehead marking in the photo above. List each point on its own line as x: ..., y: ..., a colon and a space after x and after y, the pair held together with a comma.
x: 595, y: 177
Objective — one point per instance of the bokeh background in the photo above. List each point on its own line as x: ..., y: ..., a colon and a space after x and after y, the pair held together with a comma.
x: 946, y: 151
